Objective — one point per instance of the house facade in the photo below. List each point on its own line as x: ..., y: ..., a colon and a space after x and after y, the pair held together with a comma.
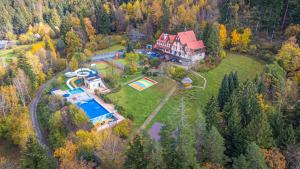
x: 183, y: 45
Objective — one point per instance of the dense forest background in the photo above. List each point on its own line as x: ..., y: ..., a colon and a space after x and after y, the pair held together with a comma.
x: 251, y: 124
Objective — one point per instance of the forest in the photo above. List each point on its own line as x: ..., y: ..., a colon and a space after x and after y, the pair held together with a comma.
x: 247, y: 124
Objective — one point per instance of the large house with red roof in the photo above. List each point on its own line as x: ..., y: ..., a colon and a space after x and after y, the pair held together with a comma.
x: 184, y: 45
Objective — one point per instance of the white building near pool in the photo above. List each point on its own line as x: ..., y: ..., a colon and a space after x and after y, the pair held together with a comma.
x: 93, y: 82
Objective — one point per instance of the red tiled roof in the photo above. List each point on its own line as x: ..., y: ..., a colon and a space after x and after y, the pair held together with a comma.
x: 188, y: 36
x: 195, y: 45
x: 169, y: 37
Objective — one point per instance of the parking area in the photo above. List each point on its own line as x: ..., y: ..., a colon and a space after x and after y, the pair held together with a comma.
x: 165, y: 57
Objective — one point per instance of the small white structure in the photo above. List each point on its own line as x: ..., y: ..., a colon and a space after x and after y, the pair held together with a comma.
x: 93, y: 82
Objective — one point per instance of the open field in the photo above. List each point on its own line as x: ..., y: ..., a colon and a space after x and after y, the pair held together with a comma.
x: 105, y: 68
x: 195, y: 99
x: 141, y: 104
x: 110, y: 49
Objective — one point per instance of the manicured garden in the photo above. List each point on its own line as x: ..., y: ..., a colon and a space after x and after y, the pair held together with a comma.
x: 196, y: 98
x: 141, y: 104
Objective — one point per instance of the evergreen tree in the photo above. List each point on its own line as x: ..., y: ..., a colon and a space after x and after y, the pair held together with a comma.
x: 35, y: 156
x: 200, y: 134
x: 213, y: 42
x: 103, y: 23
x: 19, y: 23
x: 165, y: 18
x: 186, y: 142
x: 255, y: 157
x: 231, y: 84
x: 259, y: 130
x: 65, y: 27
x: 27, y: 68
x: 153, y: 152
x: 235, y: 80
x: 288, y: 136
x: 234, y: 139
x: 171, y: 157
x: 214, y: 147
x: 224, y: 92
x: 206, y: 32
x: 135, y: 155
x: 248, y: 102
x: 211, y: 111
x: 241, y: 163
x: 277, y: 125
x: 129, y: 47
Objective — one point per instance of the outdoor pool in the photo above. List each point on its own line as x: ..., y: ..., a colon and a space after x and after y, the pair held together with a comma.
x: 76, y: 91
x: 94, y: 110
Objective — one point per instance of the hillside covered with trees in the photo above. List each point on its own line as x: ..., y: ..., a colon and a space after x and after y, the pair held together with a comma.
x: 246, y: 124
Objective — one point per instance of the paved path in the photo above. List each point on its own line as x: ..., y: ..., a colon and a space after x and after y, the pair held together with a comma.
x: 33, y: 107
x: 198, y: 74
x: 157, y: 109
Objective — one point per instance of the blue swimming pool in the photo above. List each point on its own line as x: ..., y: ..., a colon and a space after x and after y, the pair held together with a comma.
x: 94, y: 110
x: 76, y: 91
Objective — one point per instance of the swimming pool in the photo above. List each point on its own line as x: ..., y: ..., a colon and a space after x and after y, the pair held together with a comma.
x: 94, y: 110
x: 76, y: 91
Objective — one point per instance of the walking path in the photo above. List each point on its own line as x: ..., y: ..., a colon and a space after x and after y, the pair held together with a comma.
x: 157, y: 109
x: 33, y: 107
x: 198, y: 74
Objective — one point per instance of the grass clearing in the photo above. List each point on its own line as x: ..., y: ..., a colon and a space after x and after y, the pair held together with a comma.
x: 105, y: 68
x: 195, y: 99
x: 141, y: 104
x: 111, y: 49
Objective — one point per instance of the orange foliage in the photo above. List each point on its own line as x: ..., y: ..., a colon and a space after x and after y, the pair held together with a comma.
x: 274, y: 159
x: 235, y: 38
x: 209, y: 165
x: 223, y: 35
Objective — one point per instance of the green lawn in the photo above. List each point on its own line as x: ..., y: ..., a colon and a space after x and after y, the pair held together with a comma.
x: 105, y: 68
x: 195, y: 99
x: 141, y: 104
x: 111, y: 49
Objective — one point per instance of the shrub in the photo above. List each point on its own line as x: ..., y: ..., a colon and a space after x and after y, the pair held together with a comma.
x: 177, y: 73
x: 123, y: 129
x: 145, y: 70
x: 130, y: 116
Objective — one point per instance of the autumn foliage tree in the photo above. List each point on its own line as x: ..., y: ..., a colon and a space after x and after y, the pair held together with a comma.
x: 223, y: 35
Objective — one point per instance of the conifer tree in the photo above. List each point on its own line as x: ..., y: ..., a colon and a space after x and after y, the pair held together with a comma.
x: 231, y: 84
x: 214, y: 147
x: 224, y: 93
x: 234, y: 139
x: 35, y: 156
x: 135, y: 155
x: 200, y: 134
x: 103, y: 23
x: 255, y: 157
x: 259, y: 131
x: 235, y: 80
x: 240, y: 163
x: 211, y: 113
x: 213, y: 42
x: 165, y: 18
x: 170, y: 155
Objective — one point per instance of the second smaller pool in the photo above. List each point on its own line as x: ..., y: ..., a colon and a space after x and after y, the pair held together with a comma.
x: 76, y: 91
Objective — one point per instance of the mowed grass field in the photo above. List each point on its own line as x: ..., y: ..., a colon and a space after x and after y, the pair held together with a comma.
x: 142, y: 103
x: 111, y: 49
x: 195, y: 99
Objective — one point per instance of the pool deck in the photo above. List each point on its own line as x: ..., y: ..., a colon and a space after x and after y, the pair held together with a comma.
x: 109, y: 107
x: 88, y: 94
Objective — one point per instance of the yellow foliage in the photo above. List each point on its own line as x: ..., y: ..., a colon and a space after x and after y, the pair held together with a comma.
x: 106, y: 7
x: 235, y: 38
x: 262, y: 103
x: 37, y: 46
x: 223, y: 35
x: 88, y: 140
x: 156, y: 11
x: 245, y: 38
x: 75, y: 21
x: 36, y: 66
